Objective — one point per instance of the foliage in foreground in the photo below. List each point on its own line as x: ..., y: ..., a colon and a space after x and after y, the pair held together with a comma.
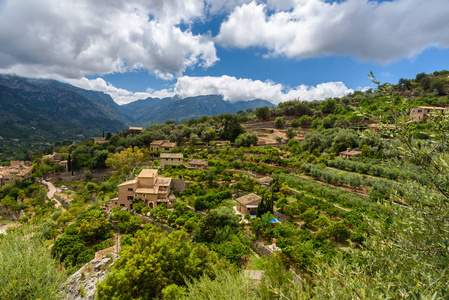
x: 156, y: 260
x: 277, y: 282
x: 27, y: 270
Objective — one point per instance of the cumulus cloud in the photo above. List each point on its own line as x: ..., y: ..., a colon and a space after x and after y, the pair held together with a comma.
x: 71, y: 39
x: 369, y: 30
x: 232, y: 89
x: 120, y: 96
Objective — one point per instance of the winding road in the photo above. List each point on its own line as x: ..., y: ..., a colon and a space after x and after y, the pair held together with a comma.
x: 51, y: 192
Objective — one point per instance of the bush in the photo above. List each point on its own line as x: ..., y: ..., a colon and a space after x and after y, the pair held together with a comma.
x: 339, y: 231
x: 279, y: 122
x: 295, y: 123
x: 27, y: 270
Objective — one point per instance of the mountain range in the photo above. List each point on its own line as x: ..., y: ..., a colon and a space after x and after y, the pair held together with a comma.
x: 56, y: 110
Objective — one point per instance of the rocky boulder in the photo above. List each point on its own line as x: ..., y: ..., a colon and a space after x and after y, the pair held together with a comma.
x: 82, y: 284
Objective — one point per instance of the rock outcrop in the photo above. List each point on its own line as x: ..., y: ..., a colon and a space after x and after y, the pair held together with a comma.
x: 82, y: 284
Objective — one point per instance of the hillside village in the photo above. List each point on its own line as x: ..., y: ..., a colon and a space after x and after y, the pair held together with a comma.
x: 268, y: 201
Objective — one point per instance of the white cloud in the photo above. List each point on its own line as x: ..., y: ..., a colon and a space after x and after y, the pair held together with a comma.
x: 120, y: 96
x: 71, y: 39
x: 232, y: 89
x: 369, y: 30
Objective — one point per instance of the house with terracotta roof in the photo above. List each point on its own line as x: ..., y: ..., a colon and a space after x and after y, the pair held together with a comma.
x: 17, y: 171
x: 248, y: 204
x: 147, y: 187
x: 171, y: 159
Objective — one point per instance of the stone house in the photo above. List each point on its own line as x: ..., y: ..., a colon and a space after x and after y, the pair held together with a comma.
x: 350, y: 153
x: 100, y: 140
x: 162, y: 145
x: 132, y: 130
x: 420, y: 112
x: 171, y: 159
x: 57, y: 159
x: 148, y: 187
x: 248, y: 204
x: 197, y: 164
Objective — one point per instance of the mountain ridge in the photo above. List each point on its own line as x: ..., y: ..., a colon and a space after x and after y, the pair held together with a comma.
x: 57, y: 110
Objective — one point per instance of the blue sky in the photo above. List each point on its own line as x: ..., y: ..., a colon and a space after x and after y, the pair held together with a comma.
x: 271, y: 49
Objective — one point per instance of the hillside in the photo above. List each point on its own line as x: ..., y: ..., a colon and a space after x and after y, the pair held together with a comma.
x: 51, y: 109
x: 155, y: 110
x: 37, y: 112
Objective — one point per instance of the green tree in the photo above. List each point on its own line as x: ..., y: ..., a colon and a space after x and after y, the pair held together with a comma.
x: 194, y: 139
x: 290, y: 133
x: 295, y: 123
x: 126, y: 162
x: 154, y: 261
x: 263, y: 113
x: 338, y: 231
x: 279, y: 122
x: 309, y: 216
x: 246, y: 139
x: 99, y: 160
x: 218, y: 225
x: 94, y: 226
x: 65, y: 218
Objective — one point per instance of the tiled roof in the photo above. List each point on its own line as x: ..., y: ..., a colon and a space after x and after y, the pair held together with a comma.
x: 148, y: 173
x: 198, y: 162
x: 163, y: 181
x: 171, y: 155
x: 431, y: 107
x: 158, y: 142
x: 147, y: 190
x: 249, y: 199
x: 129, y: 182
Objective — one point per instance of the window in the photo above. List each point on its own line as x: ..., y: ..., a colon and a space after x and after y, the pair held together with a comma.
x: 131, y: 206
x: 122, y: 205
x: 419, y: 110
x: 143, y: 195
x: 130, y: 189
x: 130, y: 198
x: 115, y: 202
